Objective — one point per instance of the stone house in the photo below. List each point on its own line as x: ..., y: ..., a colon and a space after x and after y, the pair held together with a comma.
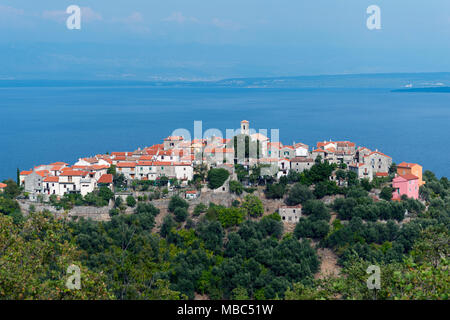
x: 378, y: 161
x: 290, y: 214
x: 34, y: 184
x: 128, y: 169
x: 299, y: 164
x: 172, y: 142
x: 362, y: 170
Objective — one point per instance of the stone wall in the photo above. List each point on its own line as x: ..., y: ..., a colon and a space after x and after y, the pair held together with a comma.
x: 94, y: 213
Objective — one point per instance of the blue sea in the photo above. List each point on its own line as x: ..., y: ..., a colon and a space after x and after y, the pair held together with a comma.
x: 43, y: 122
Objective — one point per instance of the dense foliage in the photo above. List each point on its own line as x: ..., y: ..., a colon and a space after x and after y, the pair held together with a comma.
x: 217, y: 177
x: 235, y: 252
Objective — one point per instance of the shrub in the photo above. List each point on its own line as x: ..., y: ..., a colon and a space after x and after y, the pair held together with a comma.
x: 200, y: 208
x: 131, y: 201
x: 177, y: 202
x: 299, y: 194
x: 180, y: 214
x: 386, y: 193
x: 217, y: 177
x: 236, y: 187
x: 253, y: 206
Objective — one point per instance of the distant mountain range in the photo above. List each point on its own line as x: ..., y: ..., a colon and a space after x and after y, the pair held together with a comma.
x: 397, y: 82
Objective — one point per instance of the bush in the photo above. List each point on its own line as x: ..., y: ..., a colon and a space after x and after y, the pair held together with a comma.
x: 177, y: 202
x: 114, y: 212
x: 236, y: 187
x: 307, y: 228
x: 217, y: 177
x: 299, y: 194
x: 180, y: 214
x: 325, y: 188
x: 316, y: 210
x: 231, y: 216
x: 386, y: 193
x: 253, y: 206
x: 166, y: 226
x: 131, y: 201
x: 200, y: 208
x: 275, y: 190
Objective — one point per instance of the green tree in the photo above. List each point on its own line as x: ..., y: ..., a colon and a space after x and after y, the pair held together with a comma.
x: 236, y: 187
x: 386, y: 193
x: 217, y: 177
x: 177, y: 202
x: 299, y: 193
x: 231, y: 216
x: 105, y: 193
x: 253, y: 206
x: 131, y: 201
x: 199, y: 209
x: 239, y: 293
x: 35, y: 259
x: 112, y: 170
x: 12, y: 190
x: 180, y: 214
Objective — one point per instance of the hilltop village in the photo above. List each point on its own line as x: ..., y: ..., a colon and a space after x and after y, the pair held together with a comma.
x: 240, y: 218
x: 174, y: 161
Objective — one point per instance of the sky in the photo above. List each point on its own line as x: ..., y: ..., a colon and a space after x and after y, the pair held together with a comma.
x: 216, y: 39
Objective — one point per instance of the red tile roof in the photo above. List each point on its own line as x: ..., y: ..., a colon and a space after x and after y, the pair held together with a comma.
x: 173, y: 138
x: 380, y: 153
x: 73, y: 173
x: 406, y: 165
x: 106, y: 178
x: 51, y: 179
x: 59, y: 164
x: 409, y: 176
x: 145, y: 163
x: 381, y: 174
x: 2, y: 185
x: 99, y: 167
x: 126, y: 164
x: 124, y: 153
x: 43, y: 173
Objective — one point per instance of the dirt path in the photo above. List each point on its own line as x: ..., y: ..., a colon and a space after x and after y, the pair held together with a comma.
x: 328, y: 264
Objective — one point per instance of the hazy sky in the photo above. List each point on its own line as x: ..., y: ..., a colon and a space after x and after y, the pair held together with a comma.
x: 210, y: 39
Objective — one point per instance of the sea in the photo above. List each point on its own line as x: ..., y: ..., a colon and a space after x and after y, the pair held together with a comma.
x: 48, y: 121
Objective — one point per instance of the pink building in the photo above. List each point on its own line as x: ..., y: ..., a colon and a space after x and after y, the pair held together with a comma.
x: 407, y: 184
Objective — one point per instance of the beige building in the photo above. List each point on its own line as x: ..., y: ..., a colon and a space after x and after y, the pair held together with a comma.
x: 299, y: 164
x: 290, y: 214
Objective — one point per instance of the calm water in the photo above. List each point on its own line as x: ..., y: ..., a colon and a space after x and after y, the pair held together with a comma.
x: 48, y: 124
